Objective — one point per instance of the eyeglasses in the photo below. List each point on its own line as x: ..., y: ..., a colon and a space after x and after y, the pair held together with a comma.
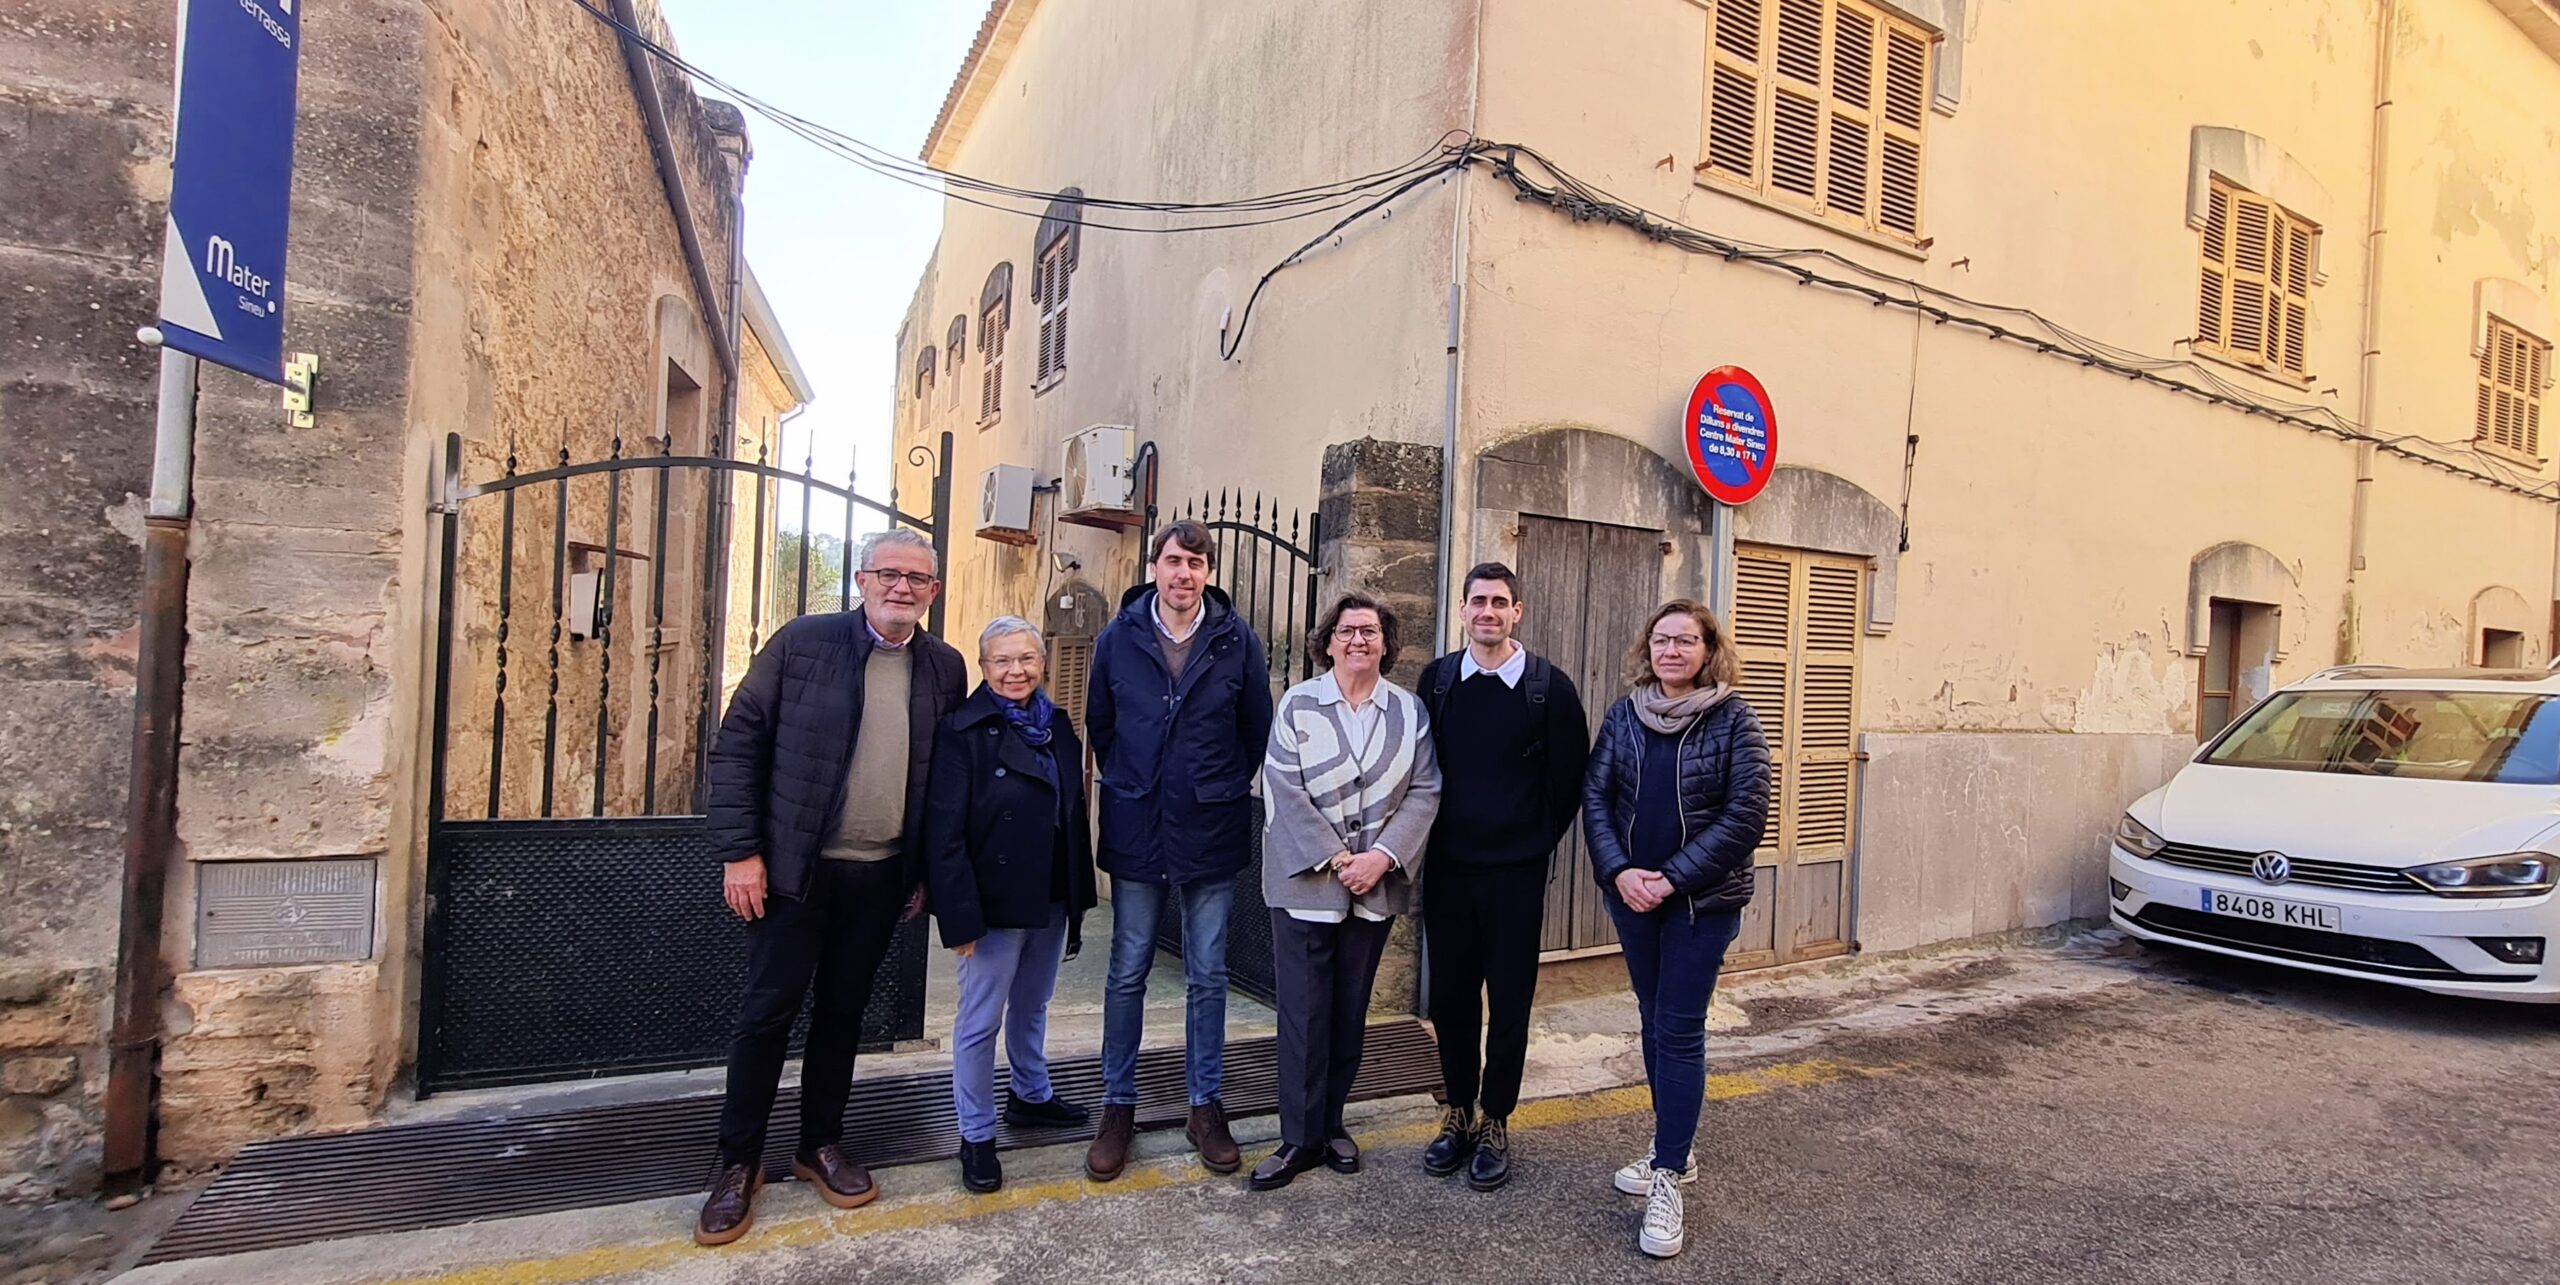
x: 916, y: 580
x: 1358, y: 633
x: 1682, y: 642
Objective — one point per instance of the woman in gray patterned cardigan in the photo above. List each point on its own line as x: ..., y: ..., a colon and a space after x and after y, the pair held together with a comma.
x: 1349, y: 788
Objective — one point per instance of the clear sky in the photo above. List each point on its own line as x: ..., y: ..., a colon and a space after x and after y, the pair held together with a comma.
x: 837, y: 247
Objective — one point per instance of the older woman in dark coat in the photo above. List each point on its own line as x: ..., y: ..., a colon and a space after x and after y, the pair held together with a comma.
x: 1009, y: 869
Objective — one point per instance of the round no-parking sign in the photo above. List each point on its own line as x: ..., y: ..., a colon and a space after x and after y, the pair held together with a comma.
x: 1732, y: 434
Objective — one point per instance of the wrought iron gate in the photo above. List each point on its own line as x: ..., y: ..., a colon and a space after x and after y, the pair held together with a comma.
x: 573, y: 921
x: 1272, y: 579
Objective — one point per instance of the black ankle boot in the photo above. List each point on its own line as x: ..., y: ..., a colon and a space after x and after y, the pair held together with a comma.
x: 1491, y: 1166
x: 1448, y: 1152
x: 979, y: 1169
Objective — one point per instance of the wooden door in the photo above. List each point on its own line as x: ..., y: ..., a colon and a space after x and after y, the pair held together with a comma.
x: 1796, y: 624
x: 1587, y: 589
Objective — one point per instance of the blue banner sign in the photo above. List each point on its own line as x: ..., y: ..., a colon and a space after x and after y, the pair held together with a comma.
x: 231, y: 183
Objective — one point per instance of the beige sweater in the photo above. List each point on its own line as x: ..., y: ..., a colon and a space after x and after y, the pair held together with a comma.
x: 875, y: 796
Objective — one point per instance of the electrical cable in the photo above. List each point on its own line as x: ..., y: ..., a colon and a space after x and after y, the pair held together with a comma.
x: 1581, y: 201
x: 1291, y: 204
x: 1585, y: 202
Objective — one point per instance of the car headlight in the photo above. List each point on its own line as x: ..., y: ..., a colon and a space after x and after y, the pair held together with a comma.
x: 2517, y: 875
x: 2137, y: 838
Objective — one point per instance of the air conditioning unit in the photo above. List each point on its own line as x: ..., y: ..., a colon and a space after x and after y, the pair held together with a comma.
x: 1004, y: 504
x: 1099, y: 486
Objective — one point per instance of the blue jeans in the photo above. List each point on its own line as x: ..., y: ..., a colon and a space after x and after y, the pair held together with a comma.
x: 1673, y: 955
x: 1135, y: 908
x: 1007, y: 981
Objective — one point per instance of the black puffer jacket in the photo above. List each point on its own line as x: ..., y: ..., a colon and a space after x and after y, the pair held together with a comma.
x: 779, y: 766
x: 1724, y: 801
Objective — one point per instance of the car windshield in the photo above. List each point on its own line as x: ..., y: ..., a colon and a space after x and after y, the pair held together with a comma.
x: 2437, y: 736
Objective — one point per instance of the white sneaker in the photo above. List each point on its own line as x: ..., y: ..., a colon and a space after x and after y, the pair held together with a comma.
x: 1661, y: 1235
x: 1636, y: 1179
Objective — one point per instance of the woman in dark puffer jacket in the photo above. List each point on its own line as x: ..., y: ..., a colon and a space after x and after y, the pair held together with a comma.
x: 1673, y: 804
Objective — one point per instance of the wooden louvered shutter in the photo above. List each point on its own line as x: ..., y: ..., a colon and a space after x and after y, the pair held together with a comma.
x: 1820, y: 103
x: 1906, y: 109
x: 1826, y: 708
x: 1797, y: 621
x: 1795, y: 118
x: 991, y: 350
x: 1070, y: 669
x: 2253, y: 298
x: 2289, y: 309
x: 1849, y: 145
x: 2251, y: 223
x: 1763, y: 638
x: 2213, y: 297
x: 1059, y: 276
x: 1734, y: 146
x: 2513, y: 367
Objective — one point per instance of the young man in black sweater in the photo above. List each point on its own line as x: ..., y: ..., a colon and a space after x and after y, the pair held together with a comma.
x: 1512, y: 739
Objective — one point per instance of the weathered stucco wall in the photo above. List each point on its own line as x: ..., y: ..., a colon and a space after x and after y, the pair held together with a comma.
x: 2055, y: 512
x: 1154, y: 99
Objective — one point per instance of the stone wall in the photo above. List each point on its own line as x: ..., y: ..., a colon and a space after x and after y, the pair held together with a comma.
x: 84, y: 92
x: 1381, y: 515
x: 480, y: 245
x: 295, y: 697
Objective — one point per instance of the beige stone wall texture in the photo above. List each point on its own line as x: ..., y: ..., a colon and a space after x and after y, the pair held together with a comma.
x: 555, y: 313
x: 2037, y: 668
x: 84, y: 98
x: 480, y: 246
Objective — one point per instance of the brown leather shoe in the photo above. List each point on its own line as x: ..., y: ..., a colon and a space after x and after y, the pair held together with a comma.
x: 730, y: 1209
x: 1109, y: 1153
x: 1208, y: 1133
x: 840, y: 1182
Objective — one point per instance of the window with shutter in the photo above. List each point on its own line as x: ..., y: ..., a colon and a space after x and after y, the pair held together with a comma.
x: 1070, y: 671
x: 2253, y: 292
x: 2507, y: 414
x: 991, y: 328
x: 955, y: 344
x: 925, y: 368
x: 1050, y: 276
x: 1820, y: 104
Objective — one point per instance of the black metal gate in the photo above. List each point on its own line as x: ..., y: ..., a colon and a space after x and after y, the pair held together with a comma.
x: 573, y: 921
x: 1272, y: 579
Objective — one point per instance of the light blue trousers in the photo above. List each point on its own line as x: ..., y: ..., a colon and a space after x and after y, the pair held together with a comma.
x: 1005, y: 982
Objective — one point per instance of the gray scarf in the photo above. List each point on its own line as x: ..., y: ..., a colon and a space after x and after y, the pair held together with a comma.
x: 1672, y: 715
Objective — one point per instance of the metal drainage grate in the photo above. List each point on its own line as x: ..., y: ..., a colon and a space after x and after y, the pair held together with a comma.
x: 292, y: 1191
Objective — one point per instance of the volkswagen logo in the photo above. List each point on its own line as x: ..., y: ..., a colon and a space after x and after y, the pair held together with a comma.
x: 2271, y: 867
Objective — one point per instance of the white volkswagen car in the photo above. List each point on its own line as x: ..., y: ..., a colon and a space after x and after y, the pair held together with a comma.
x: 2395, y: 824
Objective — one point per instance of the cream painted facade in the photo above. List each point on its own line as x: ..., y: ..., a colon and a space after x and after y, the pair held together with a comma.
x: 2042, y: 542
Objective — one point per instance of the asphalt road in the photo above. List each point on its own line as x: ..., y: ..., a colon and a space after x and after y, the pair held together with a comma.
x: 2208, y: 1122
x: 2076, y: 1113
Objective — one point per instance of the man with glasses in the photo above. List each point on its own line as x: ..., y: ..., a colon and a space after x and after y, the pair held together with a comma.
x: 817, y: 802
x: 1178, y: 709
x: 1512, y: 739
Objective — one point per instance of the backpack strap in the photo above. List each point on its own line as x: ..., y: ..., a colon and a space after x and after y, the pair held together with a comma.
x: 1535, y: 680
x: 1438, y: 676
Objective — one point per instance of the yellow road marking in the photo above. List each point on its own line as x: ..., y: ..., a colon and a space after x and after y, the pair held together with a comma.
x: 956, y: 1207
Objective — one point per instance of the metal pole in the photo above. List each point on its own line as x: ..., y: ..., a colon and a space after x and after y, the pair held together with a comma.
x: 151, y: 817
x: 941, y: 535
